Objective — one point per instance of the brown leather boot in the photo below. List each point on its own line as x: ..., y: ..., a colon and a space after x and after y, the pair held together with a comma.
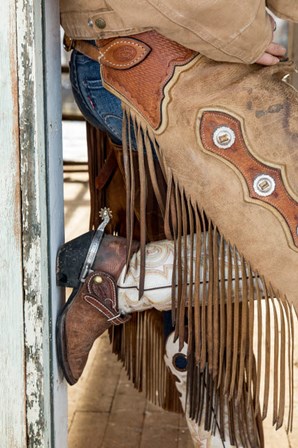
x: 91, y: 309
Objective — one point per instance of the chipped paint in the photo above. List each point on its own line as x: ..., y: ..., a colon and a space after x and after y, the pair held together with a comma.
x: 12, y: 384
x: 34, y: 219
x: 30, y: 386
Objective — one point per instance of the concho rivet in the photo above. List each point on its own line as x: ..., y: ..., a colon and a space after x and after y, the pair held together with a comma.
x: 224, y: 137
x: 264, y: 185
x: 179, y: 361
x: 98, y: 279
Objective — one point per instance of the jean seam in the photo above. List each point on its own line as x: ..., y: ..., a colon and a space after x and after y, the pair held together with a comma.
x: 89, y: 99
x: 101, y: 117
x: 78, y: 88
x: 109, y: 126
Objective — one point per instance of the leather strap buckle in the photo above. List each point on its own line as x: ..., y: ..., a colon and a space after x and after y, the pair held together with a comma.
x: 68, y: 43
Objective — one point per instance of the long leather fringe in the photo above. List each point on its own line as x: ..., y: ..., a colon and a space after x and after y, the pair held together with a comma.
x: 140, y: 345
x: 222, y: 314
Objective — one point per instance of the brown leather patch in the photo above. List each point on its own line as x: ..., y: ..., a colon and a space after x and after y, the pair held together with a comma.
x: 102, y: 295
x: 251, y: 169
x: 143, y: 84
x: 123, y: 53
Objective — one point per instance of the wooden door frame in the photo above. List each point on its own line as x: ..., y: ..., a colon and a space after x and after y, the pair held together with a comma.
x: 33, y: 393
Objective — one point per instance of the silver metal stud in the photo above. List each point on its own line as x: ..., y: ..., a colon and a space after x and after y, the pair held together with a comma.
x: 179, y: 362
x: 224, y: 137
x: 264, y: 185
x: 90, y: 23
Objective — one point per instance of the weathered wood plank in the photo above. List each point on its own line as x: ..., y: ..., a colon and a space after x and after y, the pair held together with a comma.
x: 125, y: 424
x: 55, y: 209
x: 88, y: 429
x: 12, y: 384
x: 161, y: 428
x: 39, y: 127
x: 184, y: 438
x: 102, y: 381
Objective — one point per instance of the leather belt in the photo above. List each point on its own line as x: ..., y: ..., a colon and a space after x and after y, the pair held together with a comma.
x: 121, y: 53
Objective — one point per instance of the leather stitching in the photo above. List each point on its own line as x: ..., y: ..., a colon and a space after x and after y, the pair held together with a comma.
x: 129, y: 64
x: 280, y: 205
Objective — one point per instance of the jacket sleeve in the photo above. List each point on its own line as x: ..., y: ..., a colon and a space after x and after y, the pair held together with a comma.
x: 285, y: 9
x: 223, y: 30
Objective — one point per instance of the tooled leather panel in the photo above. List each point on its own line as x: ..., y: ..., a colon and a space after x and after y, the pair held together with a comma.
x: 251, y: 169
x: 143, y: 85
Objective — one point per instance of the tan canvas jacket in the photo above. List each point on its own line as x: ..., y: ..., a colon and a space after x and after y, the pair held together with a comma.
x: 223, y: 30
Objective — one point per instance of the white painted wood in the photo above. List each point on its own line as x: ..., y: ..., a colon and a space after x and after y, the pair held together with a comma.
x: 42, y: 215
x: 12, y: 385
x: 52, y: 71
x: 33, y: 395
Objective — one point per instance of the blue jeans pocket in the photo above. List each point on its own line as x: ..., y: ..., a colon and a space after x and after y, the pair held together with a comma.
x: 102, y: 109
x: 104, y: 106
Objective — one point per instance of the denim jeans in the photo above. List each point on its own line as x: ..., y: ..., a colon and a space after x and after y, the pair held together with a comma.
x: 99, y: 107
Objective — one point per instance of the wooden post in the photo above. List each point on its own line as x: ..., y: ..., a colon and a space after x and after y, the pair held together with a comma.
x: 33, y: 395
x: 12, y: 353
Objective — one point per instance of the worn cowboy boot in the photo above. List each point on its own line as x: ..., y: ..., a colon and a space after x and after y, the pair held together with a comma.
x: 93, y: 306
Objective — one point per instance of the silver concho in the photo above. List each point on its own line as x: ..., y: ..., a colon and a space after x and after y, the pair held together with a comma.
x: 264, y: 185
x: 223, y: 137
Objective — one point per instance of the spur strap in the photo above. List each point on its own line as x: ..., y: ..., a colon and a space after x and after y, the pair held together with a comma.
x: 94, y: 245
x: 100, y: 291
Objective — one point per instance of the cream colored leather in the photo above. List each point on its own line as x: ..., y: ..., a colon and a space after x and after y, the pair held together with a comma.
x: 158, y: 277
x: 267, y: 109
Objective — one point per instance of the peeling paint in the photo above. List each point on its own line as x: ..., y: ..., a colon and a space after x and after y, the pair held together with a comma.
x: 26, y: 414
x: 12, y: 387
x: 34, y: 219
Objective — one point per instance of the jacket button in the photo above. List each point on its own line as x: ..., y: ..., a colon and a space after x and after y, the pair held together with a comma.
x: 100, y: 23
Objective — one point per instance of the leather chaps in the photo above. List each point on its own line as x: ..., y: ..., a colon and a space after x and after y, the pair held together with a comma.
x: 226, y: 138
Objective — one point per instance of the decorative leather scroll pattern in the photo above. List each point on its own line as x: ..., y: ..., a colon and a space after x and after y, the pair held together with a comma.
x: 232, y: 147
x: 102, y: 295
x: 143, y: 84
